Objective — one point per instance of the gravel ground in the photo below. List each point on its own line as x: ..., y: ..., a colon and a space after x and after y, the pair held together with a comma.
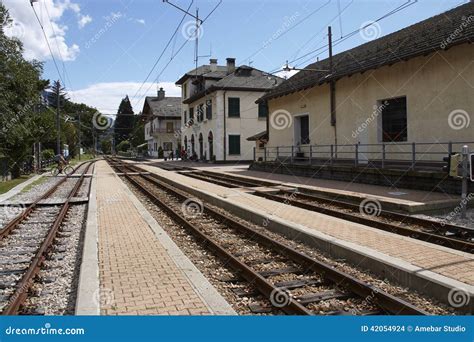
x: 36, y: 191
x: 219, y: 275
x: 54, y: 291
x: 454, y: 217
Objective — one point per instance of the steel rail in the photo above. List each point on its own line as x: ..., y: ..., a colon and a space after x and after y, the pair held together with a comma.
x: 387, y: 302
x: 436, y: 238
x: 21, y: 291
x: 457, y: 244
x: 5, y: 231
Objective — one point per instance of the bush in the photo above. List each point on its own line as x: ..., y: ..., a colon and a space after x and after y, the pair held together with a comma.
x: 47, y: 154
x: 124, y: 146
x: 160, y: 152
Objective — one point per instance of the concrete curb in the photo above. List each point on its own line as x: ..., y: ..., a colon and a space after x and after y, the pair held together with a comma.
x: 87, y: 302
x: 17, y: 189
x: 394, y: 269
x: 208, y: 293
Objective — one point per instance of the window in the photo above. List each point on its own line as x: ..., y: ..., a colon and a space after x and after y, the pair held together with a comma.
x: 169, y: 127
x: 185, y: 90
x: 209, y: 109
x: 234, y: 107
x: 262, y: 109
x: 167, y: 146
x: 200, y: 112
x: 191, y: 115
x: 394, y: 119
x: 234, y: 144
x: 185, y: 117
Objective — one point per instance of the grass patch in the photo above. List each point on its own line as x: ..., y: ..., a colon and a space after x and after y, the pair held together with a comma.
x: 40, y: 180
x: 8, y: 185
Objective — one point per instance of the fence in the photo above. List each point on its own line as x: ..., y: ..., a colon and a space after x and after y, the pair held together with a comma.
x: 415, y: 155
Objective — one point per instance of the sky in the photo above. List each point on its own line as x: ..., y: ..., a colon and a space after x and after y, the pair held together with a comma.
x: 105, y: 49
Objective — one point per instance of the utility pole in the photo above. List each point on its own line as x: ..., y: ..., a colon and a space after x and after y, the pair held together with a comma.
x: 58, y: 122
x: 80, y: 134
x: 465, y: 176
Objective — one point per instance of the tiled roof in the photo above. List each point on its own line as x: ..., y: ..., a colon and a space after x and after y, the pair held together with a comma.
x: 440, y: 32
x: 244, y: 78
x: 259, y: 136
x: 169, y: 106
x: 205, y: 71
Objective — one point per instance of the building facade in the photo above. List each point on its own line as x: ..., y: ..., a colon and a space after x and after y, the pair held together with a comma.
x: 163, y: 122
x: 402, y: 96
x: 219, y: 111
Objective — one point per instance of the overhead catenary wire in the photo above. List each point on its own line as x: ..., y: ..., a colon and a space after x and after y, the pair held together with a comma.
x: 163, y: 51
x: 47, y: 43
x: 177, y: 52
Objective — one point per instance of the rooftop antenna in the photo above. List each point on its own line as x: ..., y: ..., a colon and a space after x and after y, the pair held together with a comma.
x: 196, y: 31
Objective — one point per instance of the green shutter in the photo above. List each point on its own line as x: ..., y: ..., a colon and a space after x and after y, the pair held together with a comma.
x: 234, y: 144
x: 234, y: 107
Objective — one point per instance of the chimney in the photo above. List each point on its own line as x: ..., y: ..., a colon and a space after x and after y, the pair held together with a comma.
x: 161, y: 94
x: 230, y: 65
x: 213, y: 64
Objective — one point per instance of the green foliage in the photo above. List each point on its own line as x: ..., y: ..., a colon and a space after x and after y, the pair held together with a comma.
x: 125, y: 121
x: 47, y: 154
x: 20, y: 85
x: 106, y: 146
x: 124, y: 146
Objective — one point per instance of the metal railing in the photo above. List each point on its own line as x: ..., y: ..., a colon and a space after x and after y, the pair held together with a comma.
x: 410, y: 155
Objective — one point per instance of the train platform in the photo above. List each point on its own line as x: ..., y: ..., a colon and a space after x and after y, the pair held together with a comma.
x: 429, y: 268
x: 131, y: 266
x: 397, y: 199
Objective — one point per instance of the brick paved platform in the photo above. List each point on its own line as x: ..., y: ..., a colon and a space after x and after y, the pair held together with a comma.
x: 141, y: 271
x: 425, y: 266
x: 406, y: 200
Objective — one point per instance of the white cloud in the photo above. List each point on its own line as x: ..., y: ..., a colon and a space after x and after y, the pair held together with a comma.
x: 141, y: 21
x: 84, y: 20
x: 106, y: 97
x: 50, y: 13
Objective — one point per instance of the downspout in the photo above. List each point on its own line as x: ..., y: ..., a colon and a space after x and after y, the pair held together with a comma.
x: 332, y: 90
x: 225, y: 129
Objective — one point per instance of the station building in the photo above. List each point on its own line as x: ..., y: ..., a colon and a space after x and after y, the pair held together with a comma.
x: 404, y: 98
x: 163, y: 121
x: 219, y: 112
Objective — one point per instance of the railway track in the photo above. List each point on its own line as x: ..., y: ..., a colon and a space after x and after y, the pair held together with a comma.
x: 441, y: 233
x: 26, y: 240
x: 290, y: 281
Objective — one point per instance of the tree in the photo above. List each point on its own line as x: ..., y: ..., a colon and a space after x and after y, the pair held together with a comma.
x: 124, y: 121
x: 137, y: 137
x: 20, y: 86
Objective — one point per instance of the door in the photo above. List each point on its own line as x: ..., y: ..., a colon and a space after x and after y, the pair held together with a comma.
x: 302, y: 130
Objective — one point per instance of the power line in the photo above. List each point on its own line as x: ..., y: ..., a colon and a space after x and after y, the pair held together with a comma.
x: 163, y: 51
x: 178, y: 51
x: 47, y: 43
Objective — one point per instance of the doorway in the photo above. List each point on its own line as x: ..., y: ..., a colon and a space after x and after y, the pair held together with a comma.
x: 301, y: 132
